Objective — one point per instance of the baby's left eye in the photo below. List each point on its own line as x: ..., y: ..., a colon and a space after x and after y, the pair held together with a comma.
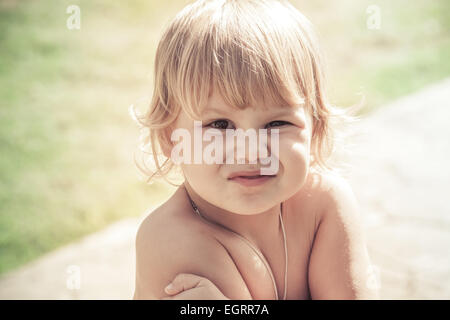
x: 277, y: 123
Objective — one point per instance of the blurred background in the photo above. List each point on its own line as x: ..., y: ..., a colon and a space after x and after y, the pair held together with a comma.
x: 70, y: 195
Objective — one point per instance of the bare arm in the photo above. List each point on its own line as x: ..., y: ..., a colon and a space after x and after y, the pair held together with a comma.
x: 339, y: 266
x: 163, y: 252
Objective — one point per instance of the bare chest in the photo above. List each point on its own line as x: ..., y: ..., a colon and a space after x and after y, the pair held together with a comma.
x: 263, y: 271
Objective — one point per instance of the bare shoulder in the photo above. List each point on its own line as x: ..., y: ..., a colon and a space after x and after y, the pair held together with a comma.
x: 170, y: 241
x: 322, y: 191
x: 340, y: 206
x: 336, y: 196
x: 319, y: 195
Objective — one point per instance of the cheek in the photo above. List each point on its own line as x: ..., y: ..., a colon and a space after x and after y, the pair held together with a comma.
x: 295, y: 147
x: 295, y: 159
x: 200, y: 174
x: 205, y: 180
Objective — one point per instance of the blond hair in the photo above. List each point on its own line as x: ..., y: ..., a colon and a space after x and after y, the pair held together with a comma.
x: 248, y: 50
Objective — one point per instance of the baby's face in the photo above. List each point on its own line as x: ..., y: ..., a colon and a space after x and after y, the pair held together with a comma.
x: 213, y: 182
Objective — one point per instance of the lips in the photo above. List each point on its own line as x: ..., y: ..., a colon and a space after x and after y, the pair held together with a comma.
x: 246, y: 174
x: 249, y: 178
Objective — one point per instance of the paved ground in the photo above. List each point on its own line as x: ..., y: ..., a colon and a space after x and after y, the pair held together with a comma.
x: 399, y: 175
x: 402, y: 180
x: 100, y: 266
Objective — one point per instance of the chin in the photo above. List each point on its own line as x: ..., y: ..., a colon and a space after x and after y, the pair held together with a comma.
x: 251, y: 210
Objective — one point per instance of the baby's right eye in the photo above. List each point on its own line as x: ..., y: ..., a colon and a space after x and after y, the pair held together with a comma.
x: 219, y: 124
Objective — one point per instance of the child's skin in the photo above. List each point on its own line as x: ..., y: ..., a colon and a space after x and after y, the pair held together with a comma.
x: 327, y: 251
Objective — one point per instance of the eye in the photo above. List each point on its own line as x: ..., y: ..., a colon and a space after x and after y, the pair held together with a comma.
x: 219, y: 124
x: 277, y: 123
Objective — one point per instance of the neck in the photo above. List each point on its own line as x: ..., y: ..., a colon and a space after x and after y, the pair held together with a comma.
x: 261, y: 229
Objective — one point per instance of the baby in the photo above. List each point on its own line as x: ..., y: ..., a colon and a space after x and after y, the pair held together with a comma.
x: 275, y: 222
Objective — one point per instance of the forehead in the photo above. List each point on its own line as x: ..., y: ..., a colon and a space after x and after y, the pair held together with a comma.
x: 217, y: 103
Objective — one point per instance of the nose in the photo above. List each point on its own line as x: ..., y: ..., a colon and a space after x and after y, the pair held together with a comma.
x: 250, y: 146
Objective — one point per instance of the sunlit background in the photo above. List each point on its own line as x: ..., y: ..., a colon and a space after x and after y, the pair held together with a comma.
x: 67, y: 140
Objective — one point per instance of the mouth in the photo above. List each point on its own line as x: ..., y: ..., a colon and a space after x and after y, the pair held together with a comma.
x: 250, y: 179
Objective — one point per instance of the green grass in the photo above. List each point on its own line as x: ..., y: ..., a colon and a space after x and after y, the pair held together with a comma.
x: 66, y: 139
x: 409, y: 51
